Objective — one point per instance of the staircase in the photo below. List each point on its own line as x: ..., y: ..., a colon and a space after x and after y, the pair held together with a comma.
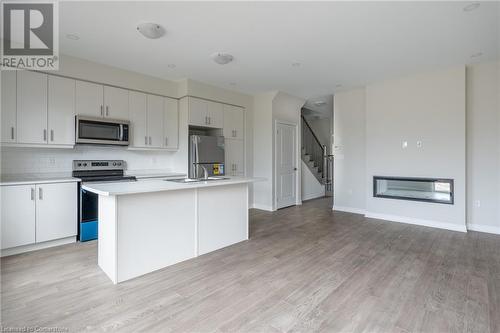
x: 315, y: 156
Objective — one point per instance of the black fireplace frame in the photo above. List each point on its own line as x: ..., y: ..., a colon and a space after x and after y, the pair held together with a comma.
x: 417, y: 179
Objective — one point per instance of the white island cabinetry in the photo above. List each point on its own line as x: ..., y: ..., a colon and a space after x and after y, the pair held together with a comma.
x: 151, y: 224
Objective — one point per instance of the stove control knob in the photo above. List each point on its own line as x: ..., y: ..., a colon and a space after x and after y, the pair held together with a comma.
x: 119, y: 163
x: 79, y: 164
x: 114, y: 163
x: 84, y: 164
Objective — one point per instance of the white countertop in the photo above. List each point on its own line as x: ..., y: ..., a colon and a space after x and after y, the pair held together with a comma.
x: 153, y: 173
x: 37, y: 178
x: 158, y: 185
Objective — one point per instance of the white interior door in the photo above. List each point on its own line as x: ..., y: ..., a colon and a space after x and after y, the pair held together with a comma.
x: 286, y: 168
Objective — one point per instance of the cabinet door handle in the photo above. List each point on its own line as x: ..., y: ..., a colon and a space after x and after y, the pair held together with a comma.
x: 206, y: 120
x: 12, y: 132
x: 102, y: 112
x: 145, y: 140
x: 44, y: 135
x: 32, y: 193
x: 210, y: 120
x: 166, y: 141
x: 40, y: 193
x: 51, y: 135
x: 150, y: 141
x: 107, y: 110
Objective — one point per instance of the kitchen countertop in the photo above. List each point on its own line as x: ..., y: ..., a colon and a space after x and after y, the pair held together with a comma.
x: 153, y: 173
x: 37, y: 178
x: 158, y: 185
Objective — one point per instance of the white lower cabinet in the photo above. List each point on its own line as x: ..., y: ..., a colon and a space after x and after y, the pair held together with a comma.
x: 38, y: 213
x: 18, y: 215
x: 235, y: 157
x: 56, y: 211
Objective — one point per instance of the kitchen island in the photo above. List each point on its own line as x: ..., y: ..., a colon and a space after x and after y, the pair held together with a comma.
x: 150, y: 224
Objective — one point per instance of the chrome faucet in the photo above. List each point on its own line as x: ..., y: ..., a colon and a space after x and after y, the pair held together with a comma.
x: 205, y: 171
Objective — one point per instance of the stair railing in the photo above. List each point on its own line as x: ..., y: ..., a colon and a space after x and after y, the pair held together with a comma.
x: 313, y: 147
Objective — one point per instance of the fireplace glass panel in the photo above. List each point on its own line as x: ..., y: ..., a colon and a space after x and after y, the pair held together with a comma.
x: 419, y: 189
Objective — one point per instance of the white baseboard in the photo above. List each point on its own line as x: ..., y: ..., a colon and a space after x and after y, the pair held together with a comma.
x: 483, y: 228
x: 262, y: 207
x: 38, y: 246
x: 411, y: 220
x: 349, y: 209
x: 313, y: 196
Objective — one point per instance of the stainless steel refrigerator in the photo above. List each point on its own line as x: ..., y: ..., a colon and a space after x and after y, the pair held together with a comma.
x: 206, y: 152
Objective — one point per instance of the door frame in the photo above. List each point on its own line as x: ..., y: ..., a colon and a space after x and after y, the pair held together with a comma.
x: 298, y: 198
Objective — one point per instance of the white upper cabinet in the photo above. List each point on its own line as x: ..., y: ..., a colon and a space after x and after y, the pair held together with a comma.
x: 18, y: 215
x: 61, y: 111
x: 235, y: 157
x: 198, y: 112
x: 56, y: 210
x: 234, y: 122
x: 31, y: 107
x: 215, y: 115
x: 171, y: 123
x: 205, y: 113
x: 9, y: 129
x: 138, y: 119
x: 89, y: 99
x: 116, y: 103
x: 155, y: 121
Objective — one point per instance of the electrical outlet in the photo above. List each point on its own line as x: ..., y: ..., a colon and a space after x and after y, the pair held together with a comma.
x: 52, y: 161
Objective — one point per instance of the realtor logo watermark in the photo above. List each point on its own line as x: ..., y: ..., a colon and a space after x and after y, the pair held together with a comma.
x: 30, y: 38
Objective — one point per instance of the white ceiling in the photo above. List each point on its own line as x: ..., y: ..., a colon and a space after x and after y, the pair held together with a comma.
x: 347, y: 43
x: 314, y: 111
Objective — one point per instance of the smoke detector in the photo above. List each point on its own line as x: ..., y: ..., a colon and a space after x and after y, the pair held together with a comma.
x: 151, y: 30
x: 222, y: 58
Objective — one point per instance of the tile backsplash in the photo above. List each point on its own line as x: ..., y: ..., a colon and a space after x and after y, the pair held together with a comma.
x: 16, y: 160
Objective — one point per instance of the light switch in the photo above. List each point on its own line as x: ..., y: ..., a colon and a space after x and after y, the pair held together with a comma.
x: 404, y: 145
x: 419, y: 144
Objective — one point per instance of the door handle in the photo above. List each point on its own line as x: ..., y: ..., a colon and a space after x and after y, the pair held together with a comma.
x: 107, y: 110
x: 40, y: 193
x: 32, y: 193
x: 12, y: 132
x: 51, y: 135
x: 102, y: 112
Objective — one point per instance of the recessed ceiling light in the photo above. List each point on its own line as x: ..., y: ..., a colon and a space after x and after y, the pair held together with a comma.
x: 151, y: 30
x: 72, y: 36
x: 476, y: 55
x: 295, y: 64
x: 222, y: 58
x: 171, y: 66
x: 319, y: 103
x: 472, y: 6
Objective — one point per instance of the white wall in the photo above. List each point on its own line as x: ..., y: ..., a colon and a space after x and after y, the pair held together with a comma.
x: 430, y: 108
x: 268, y: 108
x: 322, y: 128
x: 483, y: 147
x: 263, y: 150
x: 310, y: 186
x: 349, y: 142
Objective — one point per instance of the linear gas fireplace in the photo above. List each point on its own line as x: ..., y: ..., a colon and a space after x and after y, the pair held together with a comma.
x: 435, y: 190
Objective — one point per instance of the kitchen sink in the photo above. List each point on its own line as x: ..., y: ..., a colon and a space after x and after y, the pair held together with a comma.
x: 194, y: 180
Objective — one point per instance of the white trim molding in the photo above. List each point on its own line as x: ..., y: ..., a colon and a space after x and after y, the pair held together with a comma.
x: 262, y: 207
x: 345, y: 209
x: 422, y: 222
x: 38, y: 246
x: 313, y: 196
x: 483, y: 228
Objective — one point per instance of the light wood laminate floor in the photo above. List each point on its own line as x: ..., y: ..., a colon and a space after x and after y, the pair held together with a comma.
x: 305, y: 269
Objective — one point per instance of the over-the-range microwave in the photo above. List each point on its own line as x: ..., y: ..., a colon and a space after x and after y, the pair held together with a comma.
x: 102, y: 131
